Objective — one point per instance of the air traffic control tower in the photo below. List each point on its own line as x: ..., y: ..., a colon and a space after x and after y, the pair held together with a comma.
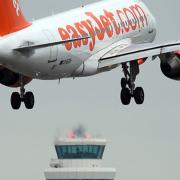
x: 79, y: 159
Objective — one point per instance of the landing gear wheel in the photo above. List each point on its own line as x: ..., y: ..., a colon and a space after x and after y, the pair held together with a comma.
x: 23, y: 96
x: 123, y: 82
x: 129, y: 89
x: 15, y: 100
x: 29, y: 100
x: 139, y: 95
x: 125, y: 96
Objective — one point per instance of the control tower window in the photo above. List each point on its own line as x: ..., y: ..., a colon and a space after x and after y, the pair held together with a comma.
x: 80, y: 151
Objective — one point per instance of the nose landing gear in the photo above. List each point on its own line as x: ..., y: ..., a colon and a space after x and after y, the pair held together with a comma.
x: 18, y: 98
x: 128, y: 84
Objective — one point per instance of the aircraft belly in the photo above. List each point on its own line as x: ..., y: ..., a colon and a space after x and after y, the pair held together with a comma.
x: 62, y: 67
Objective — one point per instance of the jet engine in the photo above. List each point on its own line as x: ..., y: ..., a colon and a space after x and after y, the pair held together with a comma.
x: 170, y: 65
x: 11, y: 79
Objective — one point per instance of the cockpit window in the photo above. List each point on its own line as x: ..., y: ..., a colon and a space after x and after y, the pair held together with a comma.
x: 80, y: 151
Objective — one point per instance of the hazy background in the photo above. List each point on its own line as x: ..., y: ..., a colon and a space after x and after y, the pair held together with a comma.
x: 144, y: 141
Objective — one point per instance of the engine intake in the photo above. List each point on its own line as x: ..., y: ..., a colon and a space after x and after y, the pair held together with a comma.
x: 11, y: 79
x: 170, y: 65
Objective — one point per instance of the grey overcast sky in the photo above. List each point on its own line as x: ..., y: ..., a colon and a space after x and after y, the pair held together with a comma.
x: 144, y: 141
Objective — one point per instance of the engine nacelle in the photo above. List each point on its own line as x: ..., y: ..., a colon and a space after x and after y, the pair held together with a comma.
x: 170, y: 65
x: 12, y: 79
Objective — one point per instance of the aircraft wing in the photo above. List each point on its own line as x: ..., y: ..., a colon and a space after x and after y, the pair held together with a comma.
x: 117, y: 55
x: 31, y: 46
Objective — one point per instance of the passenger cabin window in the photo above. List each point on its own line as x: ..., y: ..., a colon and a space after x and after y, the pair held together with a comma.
x: 79, y: 151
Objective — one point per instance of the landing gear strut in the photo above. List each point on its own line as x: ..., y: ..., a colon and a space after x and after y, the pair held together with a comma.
x: 129, y: 90
x: 23, y: 96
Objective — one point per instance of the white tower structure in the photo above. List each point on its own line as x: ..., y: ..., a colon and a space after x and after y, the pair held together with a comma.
x: 79, y: 159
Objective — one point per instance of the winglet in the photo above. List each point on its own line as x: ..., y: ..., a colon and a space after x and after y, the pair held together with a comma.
x: 11, y: 17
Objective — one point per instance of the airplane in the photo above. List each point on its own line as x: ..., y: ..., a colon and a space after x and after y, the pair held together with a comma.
x: 82, y: 42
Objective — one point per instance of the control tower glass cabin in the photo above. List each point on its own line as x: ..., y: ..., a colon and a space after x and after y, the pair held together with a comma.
x: 79, y: 159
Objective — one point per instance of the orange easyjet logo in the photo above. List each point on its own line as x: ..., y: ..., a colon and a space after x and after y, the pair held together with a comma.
x: 16, y: 6
x: 123, y: 21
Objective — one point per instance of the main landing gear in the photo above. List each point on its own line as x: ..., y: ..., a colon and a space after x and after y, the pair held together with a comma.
x: 128, y: 84
x: 26, y: 97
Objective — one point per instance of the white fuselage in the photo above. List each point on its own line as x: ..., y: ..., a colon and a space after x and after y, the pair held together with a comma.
x: 106, y: 22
